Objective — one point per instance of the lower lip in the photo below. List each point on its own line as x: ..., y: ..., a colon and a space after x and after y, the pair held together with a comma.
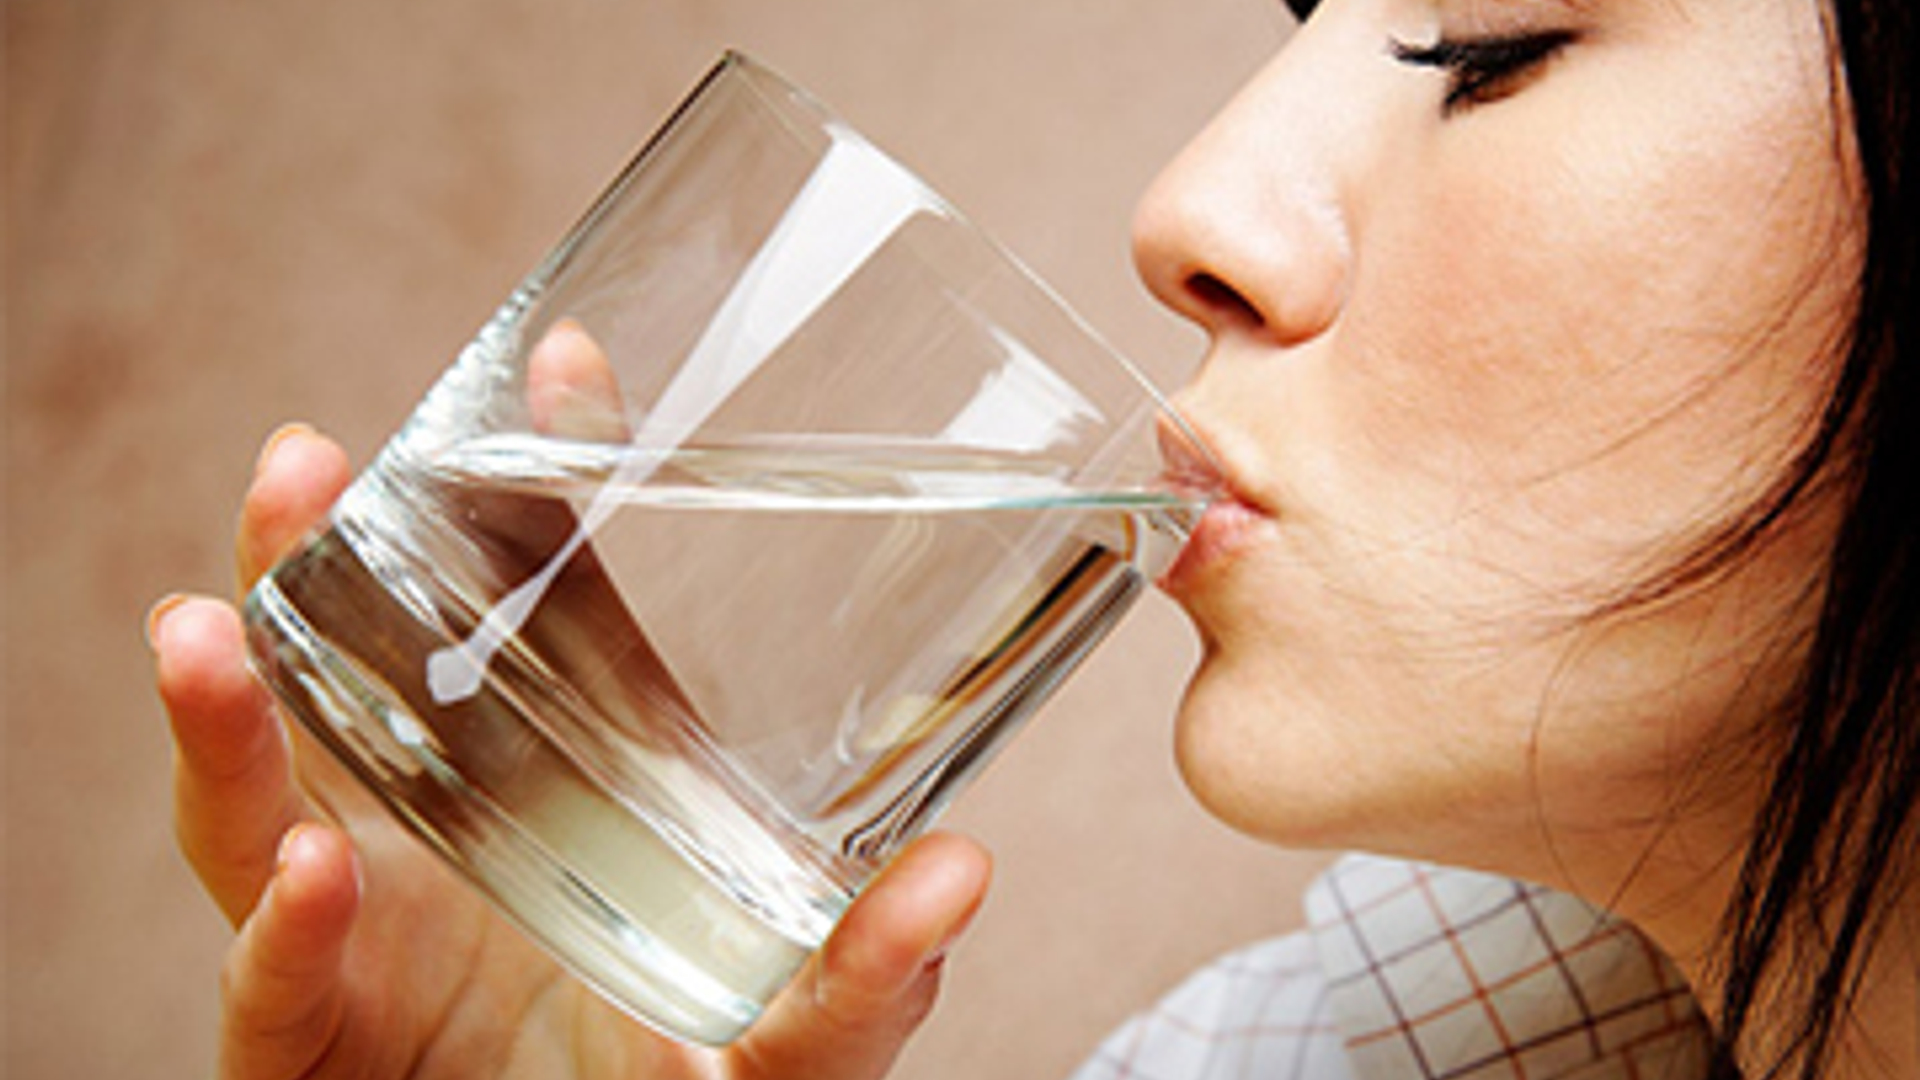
x: 1224, y: 529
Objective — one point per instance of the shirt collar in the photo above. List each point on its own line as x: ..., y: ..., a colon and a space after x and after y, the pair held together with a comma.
x: 1439, y: 973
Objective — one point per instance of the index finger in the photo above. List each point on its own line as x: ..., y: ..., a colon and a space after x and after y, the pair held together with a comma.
x: 300, y: 475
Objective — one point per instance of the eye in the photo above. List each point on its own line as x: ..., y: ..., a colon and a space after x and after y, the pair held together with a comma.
x: 1484, y: 70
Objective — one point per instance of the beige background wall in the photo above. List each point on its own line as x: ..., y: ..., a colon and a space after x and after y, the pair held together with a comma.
x: 222, y: 214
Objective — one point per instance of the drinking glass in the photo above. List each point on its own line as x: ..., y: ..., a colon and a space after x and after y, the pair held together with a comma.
x: 754, y: 521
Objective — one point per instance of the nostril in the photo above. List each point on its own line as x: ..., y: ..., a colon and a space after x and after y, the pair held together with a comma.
x: 1222, y: 299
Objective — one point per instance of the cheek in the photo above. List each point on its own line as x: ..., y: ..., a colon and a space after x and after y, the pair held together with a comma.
x: 1586, y: 357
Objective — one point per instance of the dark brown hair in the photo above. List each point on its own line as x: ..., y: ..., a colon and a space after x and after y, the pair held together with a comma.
x: 1833, y: 849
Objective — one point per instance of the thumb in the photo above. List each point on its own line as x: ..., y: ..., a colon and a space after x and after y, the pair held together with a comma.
x: 853, y: 1006
x: 282, y: 996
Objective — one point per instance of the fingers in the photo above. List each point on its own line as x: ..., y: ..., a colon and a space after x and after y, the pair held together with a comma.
x: 863, y: 994
x: 299, y: 475
x: 282, y: 985
x: 571, y: 389
x: 234, y: 795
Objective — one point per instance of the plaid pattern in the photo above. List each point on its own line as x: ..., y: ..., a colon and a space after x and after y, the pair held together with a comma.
x: 1415, y: 972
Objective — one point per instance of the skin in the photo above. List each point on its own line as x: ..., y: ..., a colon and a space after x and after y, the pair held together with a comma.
x: 358, y: 955
x: 1481, y: 366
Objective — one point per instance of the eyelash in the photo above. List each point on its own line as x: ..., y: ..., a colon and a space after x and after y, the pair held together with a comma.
x: 1483, y: 70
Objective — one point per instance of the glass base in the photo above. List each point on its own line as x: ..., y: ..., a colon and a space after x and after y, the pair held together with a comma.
x: 568, y: 863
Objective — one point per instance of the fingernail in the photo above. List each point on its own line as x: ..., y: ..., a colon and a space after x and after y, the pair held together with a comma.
x: 563, y: 335
x: 934, y: 962
x: 936, y: 957
x: 280, y: 437
x: 290, y: 844
x: 158, y: 614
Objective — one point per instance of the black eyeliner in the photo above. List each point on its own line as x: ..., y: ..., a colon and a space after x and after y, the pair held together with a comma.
x: 1476, y: 65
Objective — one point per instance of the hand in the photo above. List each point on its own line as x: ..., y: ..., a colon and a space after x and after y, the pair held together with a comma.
x: 365, y: 957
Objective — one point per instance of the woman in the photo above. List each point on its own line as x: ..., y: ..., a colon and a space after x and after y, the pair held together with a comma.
x: 1558, y: 359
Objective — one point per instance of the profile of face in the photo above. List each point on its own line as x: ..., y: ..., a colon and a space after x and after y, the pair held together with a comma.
x: 1514, y: 305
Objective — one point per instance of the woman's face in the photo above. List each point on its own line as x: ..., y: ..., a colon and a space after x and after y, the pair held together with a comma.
x: 1512, y: 304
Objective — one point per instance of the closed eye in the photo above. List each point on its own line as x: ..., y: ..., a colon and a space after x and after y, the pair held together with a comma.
x: 1484, y: 70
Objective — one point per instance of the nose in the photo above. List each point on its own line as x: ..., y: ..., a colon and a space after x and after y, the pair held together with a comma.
x: 1244, y: 232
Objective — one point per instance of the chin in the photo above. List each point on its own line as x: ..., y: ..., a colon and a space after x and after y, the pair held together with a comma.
x: 1288, y: 763
x: 1261, y: 762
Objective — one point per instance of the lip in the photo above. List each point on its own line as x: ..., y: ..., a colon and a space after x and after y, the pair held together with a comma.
x: 1226, y: 528
x: 1188, y: 462
x: 1194, y: 464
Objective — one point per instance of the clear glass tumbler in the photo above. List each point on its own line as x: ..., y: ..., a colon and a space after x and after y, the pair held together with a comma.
x: 748, y: 528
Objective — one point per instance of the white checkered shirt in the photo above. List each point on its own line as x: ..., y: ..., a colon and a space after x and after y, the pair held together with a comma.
x: 1412, y: 972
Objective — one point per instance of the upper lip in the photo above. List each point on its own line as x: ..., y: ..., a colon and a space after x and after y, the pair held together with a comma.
x: 1187, y: 456
x: 1194, y: 461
